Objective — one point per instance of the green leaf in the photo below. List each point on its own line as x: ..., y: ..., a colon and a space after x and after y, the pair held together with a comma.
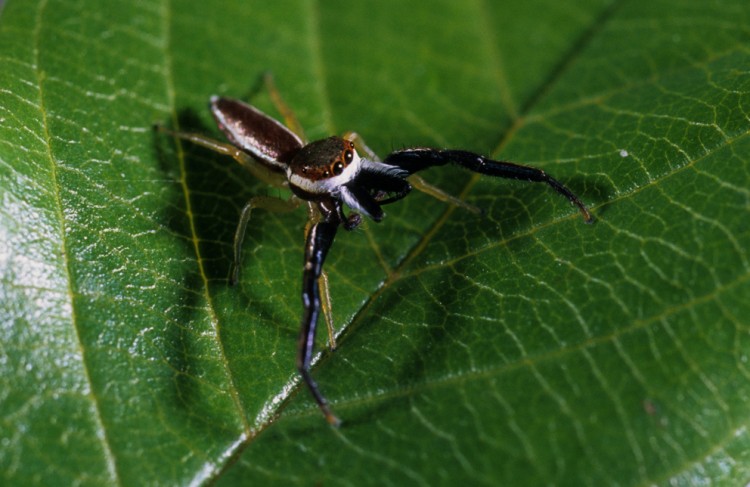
x: 522, y: 347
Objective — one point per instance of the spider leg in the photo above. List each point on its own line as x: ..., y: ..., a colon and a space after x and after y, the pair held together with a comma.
x: 417, y: 182
x: 325, y: 290
x: 418, y: 159
x: 359, y: 144
x: 269, y: 203
x: 290, y: 119
x: 325, y: 296
x: 397, y: 187
x: 319, y: 240
x: 420, y: 184
x: 257, y: 169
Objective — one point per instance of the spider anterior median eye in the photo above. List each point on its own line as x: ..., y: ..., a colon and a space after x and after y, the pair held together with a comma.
x: 338, y: 168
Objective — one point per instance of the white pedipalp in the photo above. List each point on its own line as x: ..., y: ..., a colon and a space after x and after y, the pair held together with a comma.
x: 349, y: 200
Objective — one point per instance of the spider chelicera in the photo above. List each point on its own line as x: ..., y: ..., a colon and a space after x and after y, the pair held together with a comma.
x: 328, y: 174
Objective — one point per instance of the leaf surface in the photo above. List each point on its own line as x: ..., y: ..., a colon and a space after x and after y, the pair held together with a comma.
x: 521, y: 347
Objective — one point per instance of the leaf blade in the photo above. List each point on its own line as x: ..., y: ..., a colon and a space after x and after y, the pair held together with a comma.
x: 507, y: 348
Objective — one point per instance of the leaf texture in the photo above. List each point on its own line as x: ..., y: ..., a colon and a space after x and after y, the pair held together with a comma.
x: 520, y: 347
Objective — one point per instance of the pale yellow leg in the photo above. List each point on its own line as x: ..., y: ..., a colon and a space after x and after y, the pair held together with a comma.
x: 267, y: 203
x: 420, y: 184
x: 290, y: 119
x: 359, y: 144
x: 325, y: 298
x: 257, y: 169
x: 325, y: 291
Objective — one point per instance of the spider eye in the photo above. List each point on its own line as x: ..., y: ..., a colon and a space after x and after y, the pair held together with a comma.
x: 348, y: 157
x: 338, y: 168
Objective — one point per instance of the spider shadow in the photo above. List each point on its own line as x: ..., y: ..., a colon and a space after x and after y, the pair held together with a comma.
x: 211, y: 190
x: 437, y: 326
x: 507, y: 214
x: 207, y: 209
x: 597, y: 191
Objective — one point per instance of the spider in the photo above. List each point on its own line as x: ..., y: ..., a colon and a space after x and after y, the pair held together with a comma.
x: 327, y: 175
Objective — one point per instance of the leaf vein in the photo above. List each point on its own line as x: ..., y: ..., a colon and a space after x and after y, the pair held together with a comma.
x: 95, y: 405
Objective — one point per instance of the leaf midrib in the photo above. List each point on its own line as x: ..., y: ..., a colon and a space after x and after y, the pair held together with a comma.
x: 213, y: 317
x: 109, y: 457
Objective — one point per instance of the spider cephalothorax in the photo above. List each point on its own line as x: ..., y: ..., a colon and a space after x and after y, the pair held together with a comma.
x: 324, y: 165
x: 328, y: 174
x: 332, y: 168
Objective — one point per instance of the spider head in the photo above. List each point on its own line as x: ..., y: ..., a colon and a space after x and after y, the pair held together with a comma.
x: 321, y: 167
x: 332, y: 167
x: 324, y: 164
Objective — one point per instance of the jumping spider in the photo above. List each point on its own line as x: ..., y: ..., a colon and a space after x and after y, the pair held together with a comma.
x: 328, y: 174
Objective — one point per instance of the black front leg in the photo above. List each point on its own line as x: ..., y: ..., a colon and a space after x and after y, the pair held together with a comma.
x: 418, y: 159
x: 319, y: 240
